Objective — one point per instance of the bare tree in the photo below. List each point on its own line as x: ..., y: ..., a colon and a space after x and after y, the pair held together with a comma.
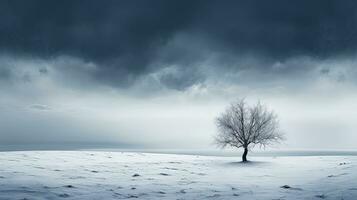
x: 243, y: 126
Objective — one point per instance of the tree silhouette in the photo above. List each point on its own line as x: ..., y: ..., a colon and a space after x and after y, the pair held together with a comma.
x: 243, y: 126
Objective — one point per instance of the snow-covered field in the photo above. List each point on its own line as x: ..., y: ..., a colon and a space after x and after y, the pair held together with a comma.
x: 116, y: 175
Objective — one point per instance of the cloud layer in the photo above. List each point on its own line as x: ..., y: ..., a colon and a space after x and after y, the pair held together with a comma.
x: 129, y: 39
x: 152, y: 72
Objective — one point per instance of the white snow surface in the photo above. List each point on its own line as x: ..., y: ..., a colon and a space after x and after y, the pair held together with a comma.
x: 124, y: 175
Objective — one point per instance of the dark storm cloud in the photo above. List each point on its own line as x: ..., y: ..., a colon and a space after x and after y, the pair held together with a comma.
x: 128, y: 39
x: 283, y: 28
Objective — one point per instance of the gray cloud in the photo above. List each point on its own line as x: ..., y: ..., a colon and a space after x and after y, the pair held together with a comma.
x: 40, y: 107
x: 129, y: 39
x: 5, y: 74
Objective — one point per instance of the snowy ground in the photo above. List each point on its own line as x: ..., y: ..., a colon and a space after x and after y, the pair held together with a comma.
x: 115, y: 175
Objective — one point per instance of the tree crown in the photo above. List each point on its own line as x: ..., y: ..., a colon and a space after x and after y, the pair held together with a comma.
x: 243, y: 126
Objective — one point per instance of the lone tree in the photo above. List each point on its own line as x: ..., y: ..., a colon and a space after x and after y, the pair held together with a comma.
x: 243, y: 126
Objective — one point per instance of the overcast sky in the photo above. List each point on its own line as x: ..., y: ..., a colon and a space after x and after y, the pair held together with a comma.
x: 155, y: 74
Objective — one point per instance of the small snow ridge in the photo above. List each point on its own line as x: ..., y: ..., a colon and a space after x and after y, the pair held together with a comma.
x: 183, y: 191
x: 321, y: 196
x: 290, y: 188
x: 214, y: 196
x: 331, y: 176
x: 64, y: 195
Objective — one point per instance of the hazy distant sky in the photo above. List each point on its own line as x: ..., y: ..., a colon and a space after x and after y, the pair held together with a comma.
x: 156, y: 73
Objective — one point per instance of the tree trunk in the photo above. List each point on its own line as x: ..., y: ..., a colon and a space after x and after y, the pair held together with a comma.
x: 244, y: 157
